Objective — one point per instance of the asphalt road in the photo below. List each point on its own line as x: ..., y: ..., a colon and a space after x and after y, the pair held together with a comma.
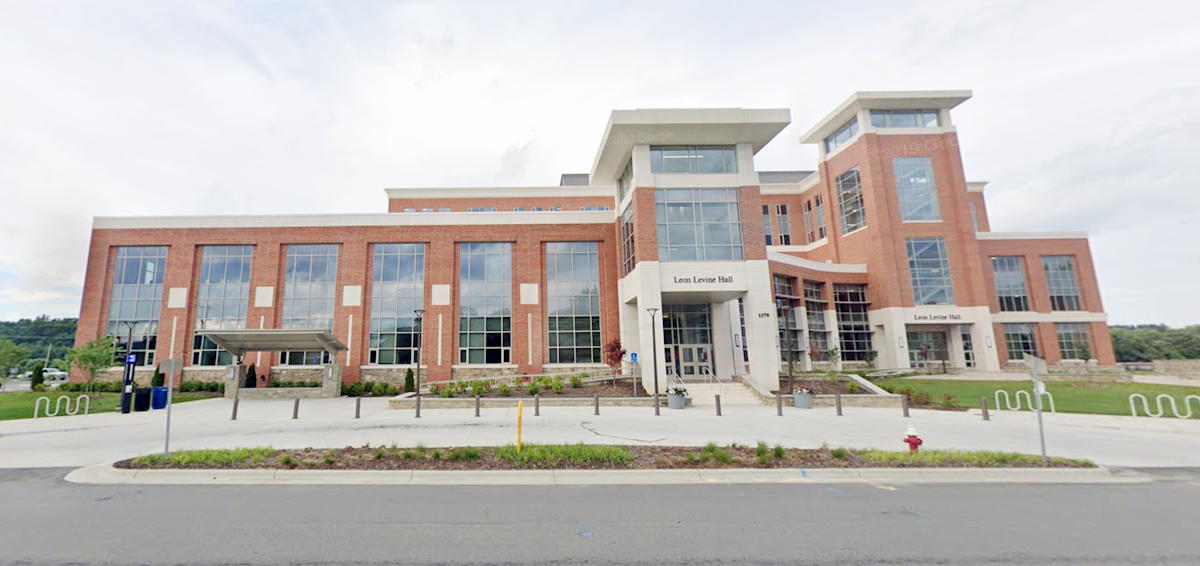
x: 48, y: 521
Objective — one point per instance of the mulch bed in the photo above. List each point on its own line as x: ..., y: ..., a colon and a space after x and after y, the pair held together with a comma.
x: 588, y: 391
x: 647, y: 457
x: 823, y: 385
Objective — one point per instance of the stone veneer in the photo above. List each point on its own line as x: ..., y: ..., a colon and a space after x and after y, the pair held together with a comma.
x: 477, y: 372
x: 1181, y: 368
x: 428, y: 402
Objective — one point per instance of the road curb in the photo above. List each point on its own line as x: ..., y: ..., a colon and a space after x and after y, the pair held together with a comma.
x: 879, y: 477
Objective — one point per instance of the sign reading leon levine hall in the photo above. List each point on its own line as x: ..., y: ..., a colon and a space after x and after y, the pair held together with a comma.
x: 704, y: 279
x: 948, y: 317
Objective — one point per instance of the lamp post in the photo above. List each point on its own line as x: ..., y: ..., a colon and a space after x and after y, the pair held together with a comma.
x: 130, y: 369
x: 654, y: 355
x: 420, y: 346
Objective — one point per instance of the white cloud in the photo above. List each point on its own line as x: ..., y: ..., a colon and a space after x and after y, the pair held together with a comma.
x: 1083, y: 117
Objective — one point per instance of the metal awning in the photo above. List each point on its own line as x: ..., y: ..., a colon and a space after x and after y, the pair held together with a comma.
x: 238, y: 342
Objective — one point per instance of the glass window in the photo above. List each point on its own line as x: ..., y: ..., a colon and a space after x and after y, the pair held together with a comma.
x: 221, y: 299
x: 810, y: 228
x: 573, y: 302
x: 814, y: 308
x: 133, y: 307
x: 485, y: 303
x: 1010, y: 283
x: 842, y: 135
x: 904, y: 118
x: 1062, y: 283
x: 426, y: 209
x: 767, y: 224
x: 595, y: 208
x: 397, y: 291
x: 788, y: 305
x: 698, y: 224
x: 1019, y: 339
x: 819, y: 211
x: 930, y: 269
x: 444, y: 209
x: 785, y: 224
x: 850, y: 302
x: 481, y: 209
x: 518, y: 209
x: 687, y: 324
x: 850, y: 201
x: 974, y: 215
x: 628, y: 253
x: 310, y: 284
x: 1074, y: 340
x: 916, y: 189
x: 625, y: 182
x: 693, y: 159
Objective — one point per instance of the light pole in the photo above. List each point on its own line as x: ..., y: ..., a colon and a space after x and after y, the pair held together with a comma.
x: 130, y: 369
x: 420, y: 345
x: 654, y: 355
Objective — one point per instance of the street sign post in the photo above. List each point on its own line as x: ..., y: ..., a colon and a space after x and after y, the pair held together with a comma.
x: 633, y: 357
x: 170, y: 366
x: 1039, y: 389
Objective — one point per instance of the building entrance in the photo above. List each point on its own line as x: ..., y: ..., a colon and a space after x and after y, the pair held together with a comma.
x: 928, y: 348
x: 687, y: 337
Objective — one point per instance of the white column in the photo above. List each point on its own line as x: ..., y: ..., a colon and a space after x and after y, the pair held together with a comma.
x: 954, y: 342
x: 835, y: 337
x: 762, y: 330
x: 649, y: 295
x: 983, y: 335
x: 722, y: 337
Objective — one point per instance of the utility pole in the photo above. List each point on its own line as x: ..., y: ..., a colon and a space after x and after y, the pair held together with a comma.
x: 420, y: 346
x: 787, y: 334
x: 654, y: 354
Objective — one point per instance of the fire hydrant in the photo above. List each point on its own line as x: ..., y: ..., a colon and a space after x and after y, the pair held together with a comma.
x: 913, y: 441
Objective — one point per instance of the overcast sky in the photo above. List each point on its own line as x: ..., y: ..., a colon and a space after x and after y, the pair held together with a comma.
x: 1086, y: 115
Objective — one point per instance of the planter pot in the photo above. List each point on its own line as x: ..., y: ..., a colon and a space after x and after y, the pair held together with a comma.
x: 803, y: 400
x: 675, y: 401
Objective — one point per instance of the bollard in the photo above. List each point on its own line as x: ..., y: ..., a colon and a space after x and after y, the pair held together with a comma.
x: 235, y: 404
x: 418, y: 406
x: 358, y: 407
x: 983, y: 405
x: 656, y: 404
x: 837, y: 400
x: 718, y: 404
x: 477, y: 405
x: 779, y: 404
x: 904, y: 404
x: 296, y: 409
x: 537, y: 405
x: 596, y: 402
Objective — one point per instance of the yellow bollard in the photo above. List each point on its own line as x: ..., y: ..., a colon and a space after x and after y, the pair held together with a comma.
x: 520, y: 411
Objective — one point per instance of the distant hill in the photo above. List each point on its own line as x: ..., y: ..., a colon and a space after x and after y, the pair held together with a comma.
x: 57, y: 334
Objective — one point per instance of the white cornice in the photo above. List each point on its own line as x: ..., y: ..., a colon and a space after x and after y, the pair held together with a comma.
x: 976, y: 186
x: 894, y: 100
x: 501, y: 192
x: 816, y: 265
x: 1031, y: 235
x: 800, y: 248
x: 1061, y: 316
x: 354, y: 220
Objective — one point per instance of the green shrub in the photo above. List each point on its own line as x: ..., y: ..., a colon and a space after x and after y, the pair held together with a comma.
x: 723, y: 456
x: 251, y: 377
x: 408, y: 454
x: 410, y: 383
x: 576, y: 381
x: 329, y: 458
x: 922, y: 398
x: 853, y: 388
x: 557, y: 385
x: 379, y: 452
x: 780, y: 451
x: 505, y: 390
x: 158, y: 379
x: 435, y: 389
x: 286, y: 460
x: 839, y: 453
x: 762, y: 450
x: 448, y: 391
x: 392, y: 390
x: 421, y: 449
x: 480, y: 388
x: 556, y: 455
x: 764, y: 459
x: 356, y: 389
x: 534, y: 388
x: 346, y: 390
x: 467, y: 453
x: 949, y: 400
x: 437, y: 454
x: 692, y: 458
x: 214, y: 387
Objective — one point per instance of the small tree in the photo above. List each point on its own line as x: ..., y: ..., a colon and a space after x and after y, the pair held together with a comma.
x: 614, y: 353
x: 871, y: 355
x: 93, y: 357
x: 158, y: 379
x: 1085, y: 352
x: 835, y: 356
x: 39, y: 377
x: 11, y: 355
x: 410, y: 384
x: 251, y: 376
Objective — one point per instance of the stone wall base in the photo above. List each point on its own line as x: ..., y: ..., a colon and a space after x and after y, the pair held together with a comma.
x: 428, y: 402
x: 469, y: 373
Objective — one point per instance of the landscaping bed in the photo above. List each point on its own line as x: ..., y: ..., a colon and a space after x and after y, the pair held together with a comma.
x: 546, y: 388
x: 584, y: 457
x: 824, y: 385
x: 1103, y: 398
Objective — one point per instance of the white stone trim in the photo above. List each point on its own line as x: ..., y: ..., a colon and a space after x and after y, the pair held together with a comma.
x: 356, y: 220
x: 1057, y: 316
x: 816, y: 265
x: 922, y: 131
x: 177, y: 297
x: 976, y: 186
x: 352, y: 295
x: 1031, y: 235
x: 890, y: 100
x: 799, y: 248
x: 529, y: 293
x: 264, y: 297
x: 439, y: 295
x: 500, y: 192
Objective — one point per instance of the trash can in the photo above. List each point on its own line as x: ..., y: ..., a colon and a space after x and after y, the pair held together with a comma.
x: 141, y: 399
x: 158, y: 398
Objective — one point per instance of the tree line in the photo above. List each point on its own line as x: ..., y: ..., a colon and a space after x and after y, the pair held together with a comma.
x: 1145, y: 342
x: 26, y: 341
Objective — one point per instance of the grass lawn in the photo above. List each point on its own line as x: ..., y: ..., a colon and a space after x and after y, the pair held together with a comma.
x: 1069, y: 396
x: 19, y: 404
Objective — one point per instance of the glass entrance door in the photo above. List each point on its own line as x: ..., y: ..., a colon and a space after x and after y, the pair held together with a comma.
x: 927, y: 348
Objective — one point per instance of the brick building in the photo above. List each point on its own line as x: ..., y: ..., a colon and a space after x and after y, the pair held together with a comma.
x: 883, y: 255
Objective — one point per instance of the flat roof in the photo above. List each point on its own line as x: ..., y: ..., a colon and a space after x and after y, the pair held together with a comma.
x: 696, y: 126
x: 889, y: 100
x: 499, y: 218
x: 238, y: 342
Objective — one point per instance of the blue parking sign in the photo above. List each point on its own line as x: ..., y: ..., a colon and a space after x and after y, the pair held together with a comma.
x: 633, y: 357
x: 131, y: 358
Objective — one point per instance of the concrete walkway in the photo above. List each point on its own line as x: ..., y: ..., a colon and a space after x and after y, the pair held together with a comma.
x: 324, y: 423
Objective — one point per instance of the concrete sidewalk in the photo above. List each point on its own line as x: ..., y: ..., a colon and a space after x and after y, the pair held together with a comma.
x: 329, y: 423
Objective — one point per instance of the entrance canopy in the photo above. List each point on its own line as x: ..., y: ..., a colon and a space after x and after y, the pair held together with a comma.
x: 238, y: 342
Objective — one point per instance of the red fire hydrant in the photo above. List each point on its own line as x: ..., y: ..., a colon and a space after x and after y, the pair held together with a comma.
x: 914, y: 442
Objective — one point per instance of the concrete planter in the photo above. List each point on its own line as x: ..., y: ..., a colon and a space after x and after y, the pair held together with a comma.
x: 676, y: 401
x: 802, y: 400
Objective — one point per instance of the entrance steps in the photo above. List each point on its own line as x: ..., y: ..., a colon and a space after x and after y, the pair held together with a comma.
x: 731, y: 392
